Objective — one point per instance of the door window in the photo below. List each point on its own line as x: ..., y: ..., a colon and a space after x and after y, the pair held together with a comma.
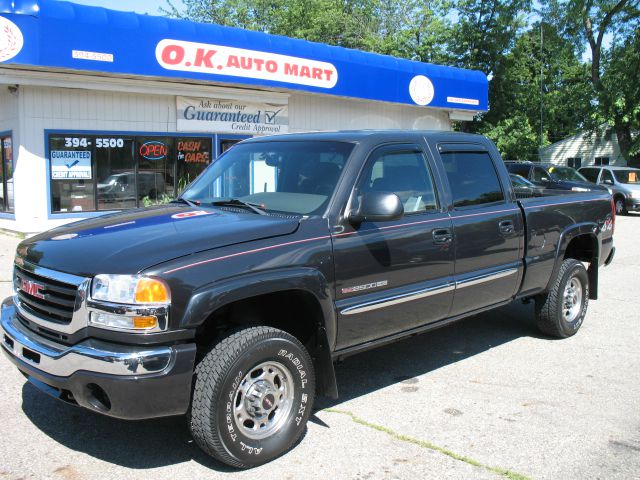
x: 403, y: 171
x: 472, y: 177
x: 606, y: 177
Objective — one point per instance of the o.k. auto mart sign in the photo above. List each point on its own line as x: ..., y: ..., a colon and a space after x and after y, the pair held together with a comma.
x: 231, y: 116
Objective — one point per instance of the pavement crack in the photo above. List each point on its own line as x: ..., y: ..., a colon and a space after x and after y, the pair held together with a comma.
x: 428, y: 445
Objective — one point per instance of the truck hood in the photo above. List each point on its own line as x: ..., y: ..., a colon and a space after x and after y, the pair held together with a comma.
x: 132, y: 241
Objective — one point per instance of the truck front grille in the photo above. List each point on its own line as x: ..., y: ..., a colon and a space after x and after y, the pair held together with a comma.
x: 44, y: 297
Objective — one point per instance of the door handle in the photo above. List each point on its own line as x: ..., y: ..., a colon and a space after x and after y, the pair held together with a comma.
x: 442, y: 235
x: 506, y: 227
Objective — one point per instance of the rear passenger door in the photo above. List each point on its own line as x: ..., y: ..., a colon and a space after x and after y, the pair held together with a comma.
x: 396, y: 275
x: 487, y: 227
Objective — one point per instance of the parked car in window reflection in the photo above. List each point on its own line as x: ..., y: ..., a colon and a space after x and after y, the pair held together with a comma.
x: 121, y: 186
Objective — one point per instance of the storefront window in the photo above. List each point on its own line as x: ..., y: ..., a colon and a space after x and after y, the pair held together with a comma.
x: 193, y: 155
x: 156, y: 169
x: 114, y: 172
x: 6, y: 174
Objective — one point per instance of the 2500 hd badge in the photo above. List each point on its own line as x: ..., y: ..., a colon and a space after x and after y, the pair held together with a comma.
x: 231, y: 304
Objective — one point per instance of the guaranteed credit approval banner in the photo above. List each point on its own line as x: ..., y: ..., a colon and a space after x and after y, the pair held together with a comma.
x: 231, y: 116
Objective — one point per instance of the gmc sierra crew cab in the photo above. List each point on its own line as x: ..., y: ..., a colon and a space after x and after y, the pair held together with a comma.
x: 232, y: 303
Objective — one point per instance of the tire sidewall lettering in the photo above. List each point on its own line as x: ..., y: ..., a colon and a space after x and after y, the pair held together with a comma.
x: 237, y: 443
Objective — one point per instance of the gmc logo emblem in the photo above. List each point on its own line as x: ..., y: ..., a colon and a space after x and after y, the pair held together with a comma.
x: 32, y: 288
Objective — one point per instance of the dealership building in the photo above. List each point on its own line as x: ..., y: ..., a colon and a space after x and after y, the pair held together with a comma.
x: 103, y: 110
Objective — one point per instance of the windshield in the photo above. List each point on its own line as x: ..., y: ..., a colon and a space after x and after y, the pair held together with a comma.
x: 282, y: 176
x: 627, y: 176
x: 567, y: 174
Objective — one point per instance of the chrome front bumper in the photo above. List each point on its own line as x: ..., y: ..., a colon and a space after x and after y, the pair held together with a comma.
x: 89, y: 355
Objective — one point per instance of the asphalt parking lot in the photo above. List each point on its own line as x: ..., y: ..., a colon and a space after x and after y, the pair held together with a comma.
x: 485, y: 398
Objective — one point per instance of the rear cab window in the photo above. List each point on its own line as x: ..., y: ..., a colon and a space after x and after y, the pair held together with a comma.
x: 472, y: 176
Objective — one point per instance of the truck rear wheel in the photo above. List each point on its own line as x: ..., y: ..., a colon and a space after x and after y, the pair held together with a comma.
x: 253, y: 395
x: 561, y: 311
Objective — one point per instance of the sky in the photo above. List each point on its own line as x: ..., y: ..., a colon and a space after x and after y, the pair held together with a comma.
x: 152, y: 7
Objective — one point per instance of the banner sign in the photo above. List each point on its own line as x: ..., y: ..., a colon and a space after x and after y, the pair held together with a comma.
x: 49, y: 34
x: 238, y: 62
x: 70, y: 164
x: 231, y: 116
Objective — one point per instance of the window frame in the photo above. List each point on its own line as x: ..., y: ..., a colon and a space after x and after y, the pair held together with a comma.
x: 448, y: 148
x: 398, y: 146
x: 95, y: 213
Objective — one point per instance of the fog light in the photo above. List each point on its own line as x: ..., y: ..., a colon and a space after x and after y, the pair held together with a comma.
x: 110, y: 320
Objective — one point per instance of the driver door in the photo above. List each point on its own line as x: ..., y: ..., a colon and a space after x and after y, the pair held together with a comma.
x: 396, y: 275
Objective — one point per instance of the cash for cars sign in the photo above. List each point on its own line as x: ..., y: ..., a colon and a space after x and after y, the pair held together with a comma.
x: 231, y: 116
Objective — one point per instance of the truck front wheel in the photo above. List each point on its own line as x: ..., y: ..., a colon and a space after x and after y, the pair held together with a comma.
x: 561, y: 311
x: 253, y: 394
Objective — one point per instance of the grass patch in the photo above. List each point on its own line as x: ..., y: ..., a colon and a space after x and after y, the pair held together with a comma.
x: 428, y: 445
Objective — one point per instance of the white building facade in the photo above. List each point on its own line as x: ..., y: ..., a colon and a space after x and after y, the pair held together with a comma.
x: 584, y: 149
x: 87, y: 129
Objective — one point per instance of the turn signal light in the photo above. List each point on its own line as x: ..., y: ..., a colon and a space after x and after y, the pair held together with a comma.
x: 150, y: 290
x: 145, y: 322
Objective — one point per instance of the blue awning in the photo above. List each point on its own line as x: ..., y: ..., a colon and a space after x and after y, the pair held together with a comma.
x: 61, y: 35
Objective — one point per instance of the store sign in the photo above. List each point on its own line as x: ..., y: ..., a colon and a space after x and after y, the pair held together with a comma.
x: 153, y: 150
x: 69, y: 164
x: 231, y: 116
x: 193, y: 151
x: 239, y: 62
x: 11, y: 39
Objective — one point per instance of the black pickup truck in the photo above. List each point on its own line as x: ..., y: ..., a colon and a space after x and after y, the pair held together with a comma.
x: 232, y: 303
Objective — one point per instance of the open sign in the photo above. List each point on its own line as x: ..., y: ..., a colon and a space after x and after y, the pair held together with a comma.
x: 153, y: 150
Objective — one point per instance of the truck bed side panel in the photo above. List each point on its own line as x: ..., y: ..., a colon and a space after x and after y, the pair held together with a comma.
x: 552, y: 221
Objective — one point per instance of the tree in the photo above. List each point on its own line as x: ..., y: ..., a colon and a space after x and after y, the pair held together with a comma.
x: 591, y: 21
x: 621, y: 67
x: 517, y: 87
x: 347, y: 23
x: 485, y: 30
x: 514, y: 137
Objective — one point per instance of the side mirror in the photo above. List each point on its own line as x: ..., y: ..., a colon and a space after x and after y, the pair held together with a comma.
x: 608, y: 181
x: 544, y: 179
x: 377, y: 207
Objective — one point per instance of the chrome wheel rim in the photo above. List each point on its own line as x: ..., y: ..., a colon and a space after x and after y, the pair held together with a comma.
x: 263, y: 400
x: 572, y: 299
x: 619, y: 206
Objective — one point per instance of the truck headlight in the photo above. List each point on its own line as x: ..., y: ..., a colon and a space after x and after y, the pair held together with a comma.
x: 131, y: 303
x: 130, y: 290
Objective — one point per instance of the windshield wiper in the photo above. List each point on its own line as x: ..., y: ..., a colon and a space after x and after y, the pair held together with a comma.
x: 236, y: 202
x: 184, y: 200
